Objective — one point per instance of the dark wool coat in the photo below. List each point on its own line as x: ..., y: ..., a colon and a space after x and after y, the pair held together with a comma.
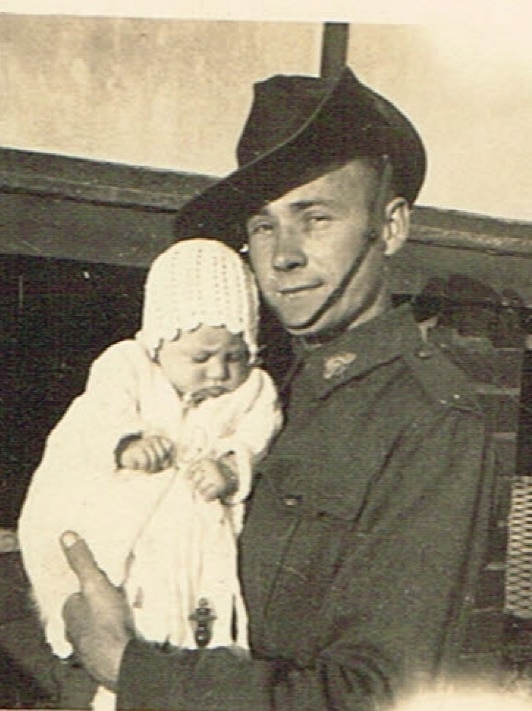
x: 362, y: 539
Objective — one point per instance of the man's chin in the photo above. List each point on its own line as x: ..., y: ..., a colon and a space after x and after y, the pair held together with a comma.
x: 301, y: 325
x: 294, y: 322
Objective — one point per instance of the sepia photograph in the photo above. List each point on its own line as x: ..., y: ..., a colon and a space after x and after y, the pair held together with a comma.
x: 266, y: 346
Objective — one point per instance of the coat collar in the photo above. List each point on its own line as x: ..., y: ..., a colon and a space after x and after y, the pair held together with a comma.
x: 358, y: 350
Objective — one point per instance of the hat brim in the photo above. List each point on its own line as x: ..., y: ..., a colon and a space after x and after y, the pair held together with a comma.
x: 351, y: 121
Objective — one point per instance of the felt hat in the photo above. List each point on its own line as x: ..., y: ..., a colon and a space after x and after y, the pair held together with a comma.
x: 297, y: 128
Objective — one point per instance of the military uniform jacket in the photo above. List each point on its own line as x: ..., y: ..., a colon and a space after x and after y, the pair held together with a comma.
x: 362, y: 541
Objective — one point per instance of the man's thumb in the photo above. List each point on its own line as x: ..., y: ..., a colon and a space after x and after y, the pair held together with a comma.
x: 80, y: 559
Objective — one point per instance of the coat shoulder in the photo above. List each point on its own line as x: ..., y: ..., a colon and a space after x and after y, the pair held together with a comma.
x: 441, y: 381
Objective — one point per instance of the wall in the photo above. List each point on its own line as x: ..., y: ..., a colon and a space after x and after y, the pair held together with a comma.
x: 145, y: 92
x: 468, y: 90
x: 173, y: 94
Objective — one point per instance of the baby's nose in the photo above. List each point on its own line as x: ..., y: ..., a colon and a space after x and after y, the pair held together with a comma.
x: 217, y: 369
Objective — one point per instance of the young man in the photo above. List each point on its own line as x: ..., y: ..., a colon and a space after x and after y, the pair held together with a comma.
x: 363, y: 535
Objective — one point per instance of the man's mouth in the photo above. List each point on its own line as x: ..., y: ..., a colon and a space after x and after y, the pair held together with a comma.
x: 293, y: 290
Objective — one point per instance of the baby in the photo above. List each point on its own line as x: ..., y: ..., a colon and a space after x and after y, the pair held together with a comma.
x: 152, y: 463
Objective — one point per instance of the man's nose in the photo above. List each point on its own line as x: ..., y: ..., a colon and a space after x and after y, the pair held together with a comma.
x: 289, y: 253
x: 217, y: 369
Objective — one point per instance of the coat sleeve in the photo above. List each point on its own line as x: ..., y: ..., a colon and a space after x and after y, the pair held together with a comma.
x: 395, y: 610
x: 207, y: 680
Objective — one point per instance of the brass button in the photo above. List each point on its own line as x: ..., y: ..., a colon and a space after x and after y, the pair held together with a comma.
x: 425, y: 352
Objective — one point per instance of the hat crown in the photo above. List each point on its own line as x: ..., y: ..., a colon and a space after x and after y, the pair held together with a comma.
x: 281, y: 106
x: 329, y: 120
x: 196, y: 282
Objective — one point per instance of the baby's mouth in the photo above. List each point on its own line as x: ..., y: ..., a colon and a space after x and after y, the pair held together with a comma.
x: 205, y: 393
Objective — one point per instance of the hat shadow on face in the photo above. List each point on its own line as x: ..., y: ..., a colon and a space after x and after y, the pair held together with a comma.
x: 298, y: 129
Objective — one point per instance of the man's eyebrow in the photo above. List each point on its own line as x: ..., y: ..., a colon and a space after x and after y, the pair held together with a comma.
x: 301, y: 205
x: 297, y: 206
x: 261, y: 212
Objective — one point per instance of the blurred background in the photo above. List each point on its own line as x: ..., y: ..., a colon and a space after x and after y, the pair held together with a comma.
x: 172, y: 93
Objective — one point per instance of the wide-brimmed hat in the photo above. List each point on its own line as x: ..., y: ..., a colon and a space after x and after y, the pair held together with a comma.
x: 297, y: 128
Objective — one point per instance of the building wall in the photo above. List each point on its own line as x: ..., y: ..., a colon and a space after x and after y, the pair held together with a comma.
x: 171, y: 93
x: 163, y: 93
x: 467, y: 88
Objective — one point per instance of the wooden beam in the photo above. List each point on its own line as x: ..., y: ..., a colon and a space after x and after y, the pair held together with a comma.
x: 82, y: 180
x: 335, y: 39
x: 92, y: 211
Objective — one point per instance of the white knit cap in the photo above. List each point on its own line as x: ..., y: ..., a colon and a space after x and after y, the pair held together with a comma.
x: 199, y: 281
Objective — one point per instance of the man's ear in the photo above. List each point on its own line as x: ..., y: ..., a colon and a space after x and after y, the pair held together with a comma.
x: 396, y: 225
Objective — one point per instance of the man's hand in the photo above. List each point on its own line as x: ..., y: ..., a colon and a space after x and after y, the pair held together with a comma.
x: 98, y: 620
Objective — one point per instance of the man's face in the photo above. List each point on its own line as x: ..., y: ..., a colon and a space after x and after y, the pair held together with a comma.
x: 206, y: 362
x: 303, y: 246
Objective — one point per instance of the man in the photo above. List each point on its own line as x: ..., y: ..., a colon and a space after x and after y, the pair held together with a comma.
x: 363, y: 535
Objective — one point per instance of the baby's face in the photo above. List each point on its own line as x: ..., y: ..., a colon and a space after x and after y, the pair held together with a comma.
x: 206, y: 362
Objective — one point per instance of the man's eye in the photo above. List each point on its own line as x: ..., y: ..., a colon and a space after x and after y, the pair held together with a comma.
x: 317, y: 220
x: 259, y: 227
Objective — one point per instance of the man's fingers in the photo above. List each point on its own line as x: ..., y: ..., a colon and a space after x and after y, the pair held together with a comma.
x: 71, y: 609
x: 81, y: 560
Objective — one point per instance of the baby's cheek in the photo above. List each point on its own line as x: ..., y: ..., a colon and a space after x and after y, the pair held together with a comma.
x: 241, y: 373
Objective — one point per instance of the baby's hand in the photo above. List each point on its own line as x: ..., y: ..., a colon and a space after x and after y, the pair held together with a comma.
x: 208, y: 479
x: 149, y: 453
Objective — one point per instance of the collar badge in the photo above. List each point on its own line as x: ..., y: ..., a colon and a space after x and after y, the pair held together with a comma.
x: 337, y: 364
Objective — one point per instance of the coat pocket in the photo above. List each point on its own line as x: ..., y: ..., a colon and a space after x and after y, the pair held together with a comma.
x: 308, y: 524
x: 325, y: 490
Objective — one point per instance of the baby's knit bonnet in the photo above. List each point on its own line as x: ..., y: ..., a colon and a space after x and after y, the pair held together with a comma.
x: 199, y: 281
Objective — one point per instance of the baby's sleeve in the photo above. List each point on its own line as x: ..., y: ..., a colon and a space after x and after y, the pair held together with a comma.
x: 106, y: 412
x: 68, y: 484
x: 259, y: 421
